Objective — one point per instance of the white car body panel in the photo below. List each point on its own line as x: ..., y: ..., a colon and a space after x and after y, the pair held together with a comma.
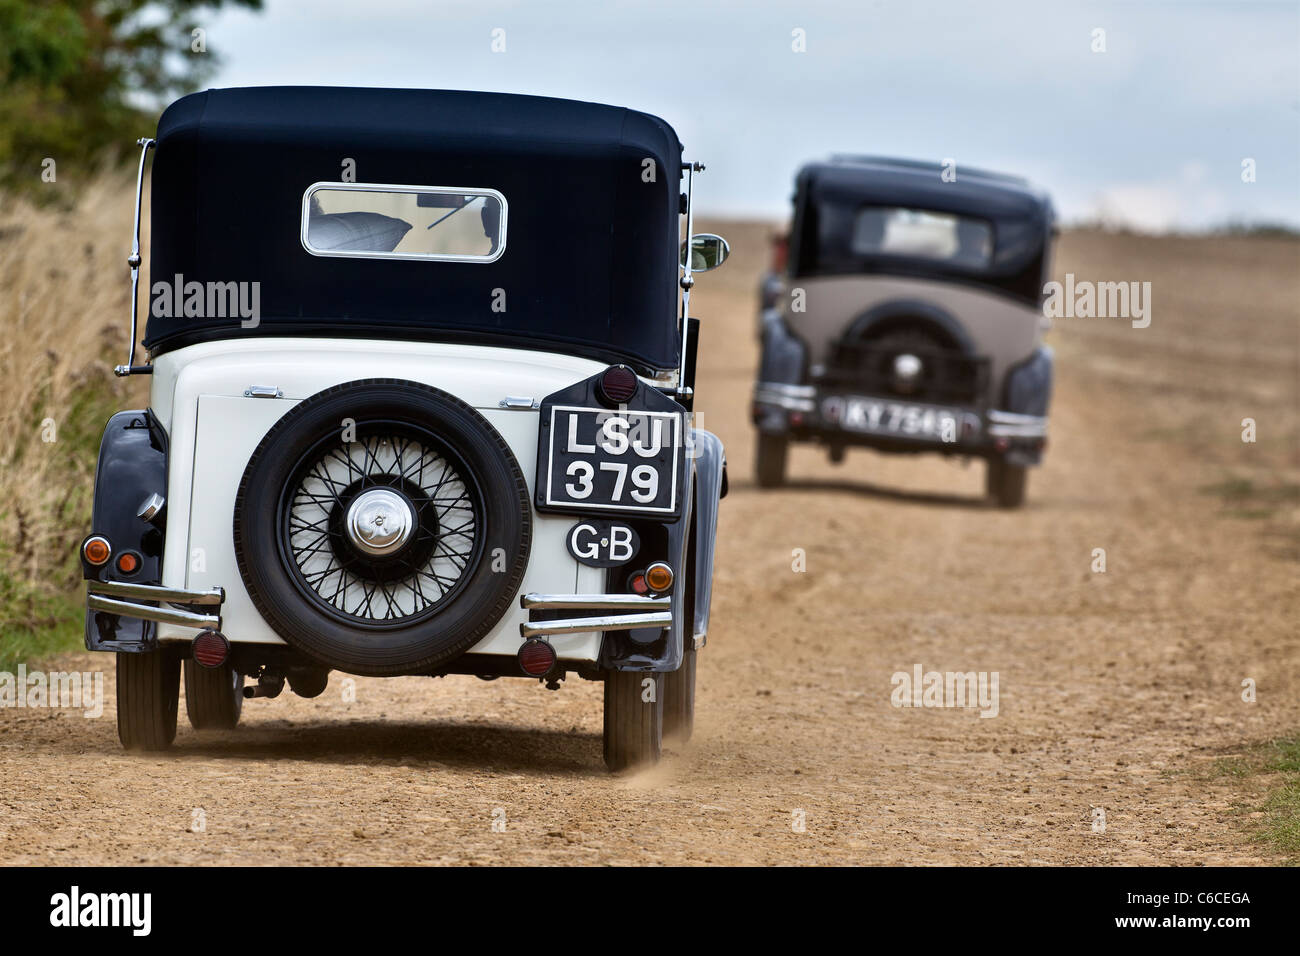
x: 199, y: 396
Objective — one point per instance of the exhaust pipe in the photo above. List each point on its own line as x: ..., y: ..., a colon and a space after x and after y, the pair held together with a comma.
x: 268, y: 687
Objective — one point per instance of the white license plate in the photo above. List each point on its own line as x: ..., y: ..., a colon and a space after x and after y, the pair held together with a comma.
x: 883, y: 417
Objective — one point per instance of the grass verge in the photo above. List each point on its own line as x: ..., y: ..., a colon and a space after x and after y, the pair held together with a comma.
x: 1275, y: 819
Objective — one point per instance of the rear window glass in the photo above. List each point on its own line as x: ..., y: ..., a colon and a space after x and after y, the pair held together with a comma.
x: 919, y: 234
x: 444, y: 223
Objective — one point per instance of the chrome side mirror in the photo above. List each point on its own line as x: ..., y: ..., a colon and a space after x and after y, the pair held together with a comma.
x: 707, y: 252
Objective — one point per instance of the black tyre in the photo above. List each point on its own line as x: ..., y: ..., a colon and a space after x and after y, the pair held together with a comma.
x: 382, y: 527
x: 1006, y: 483
x: 679, y: 685
x: 214, y: 696
x: 148, y: 691
x: 634, y: 725
x: 770, y: 464
x: 679, y: 697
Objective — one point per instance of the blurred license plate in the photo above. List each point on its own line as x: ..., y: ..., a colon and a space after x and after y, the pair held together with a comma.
x: 883, y: 417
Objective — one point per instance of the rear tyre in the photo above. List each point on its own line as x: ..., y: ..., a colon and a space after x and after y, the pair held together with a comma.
x: 214, y: 696
x: 679, y: 685
x: 1006, y: 483
x: 679, y: 697
x: 634, y: 725
x: 148, y: 691
x: 772, y: 451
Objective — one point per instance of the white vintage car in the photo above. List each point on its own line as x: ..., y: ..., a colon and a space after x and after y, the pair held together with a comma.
x: 422, y: 376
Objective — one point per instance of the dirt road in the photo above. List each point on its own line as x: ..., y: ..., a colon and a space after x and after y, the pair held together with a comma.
x: 1113, y: 686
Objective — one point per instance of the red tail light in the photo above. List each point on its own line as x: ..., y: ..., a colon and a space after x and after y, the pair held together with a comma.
x: 618, y: 383
x: 536, y: 657
x: 210, y: 649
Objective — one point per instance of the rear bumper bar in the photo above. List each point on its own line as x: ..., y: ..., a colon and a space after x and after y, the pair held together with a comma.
x: 123, y: 599
x: 622, y: 611
x: 1013, y: 425
x: 774, y: 403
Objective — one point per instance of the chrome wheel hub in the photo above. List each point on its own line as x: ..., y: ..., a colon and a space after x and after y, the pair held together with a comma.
x: 379, y: 521
x: 907, y: 370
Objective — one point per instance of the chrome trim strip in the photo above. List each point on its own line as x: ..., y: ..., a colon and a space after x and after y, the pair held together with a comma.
x: 686, y: 281
x: 130, y: 368
x: 592, y: 602
x: 1016, y: 431
x: 615, y: 622
x: 784, y: 388
x: 154, y: 592
x: 766, y: 397
x: 161, y: 615
x: 1015, y: 418
x: 1013, y: 425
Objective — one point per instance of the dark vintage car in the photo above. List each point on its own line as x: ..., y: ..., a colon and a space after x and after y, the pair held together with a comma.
x: 421, y: 404
x: 903, y: 313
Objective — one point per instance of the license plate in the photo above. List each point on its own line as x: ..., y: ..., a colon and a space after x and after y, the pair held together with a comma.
x: 882, y: 417
x: 612, y: 460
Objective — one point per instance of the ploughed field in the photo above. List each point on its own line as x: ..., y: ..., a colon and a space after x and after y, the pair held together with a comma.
x: 1117, y: 691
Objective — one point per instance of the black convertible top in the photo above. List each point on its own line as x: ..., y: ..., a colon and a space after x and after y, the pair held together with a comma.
x: 590, y: 262
x: 828, y: 193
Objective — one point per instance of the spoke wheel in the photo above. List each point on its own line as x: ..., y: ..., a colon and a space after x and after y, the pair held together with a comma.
x: 384, y: 529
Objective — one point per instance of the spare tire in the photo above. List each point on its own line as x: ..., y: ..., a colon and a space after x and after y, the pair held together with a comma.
x: 382, y: 527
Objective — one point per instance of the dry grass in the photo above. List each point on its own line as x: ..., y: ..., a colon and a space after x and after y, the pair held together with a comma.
x: 64, y: 298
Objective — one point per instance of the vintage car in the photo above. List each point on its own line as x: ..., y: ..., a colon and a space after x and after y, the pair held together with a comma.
x: 903, y: 313
x: 422, y: 376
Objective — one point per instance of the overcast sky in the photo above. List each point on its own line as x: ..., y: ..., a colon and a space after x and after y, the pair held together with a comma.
x: 1152, y: 131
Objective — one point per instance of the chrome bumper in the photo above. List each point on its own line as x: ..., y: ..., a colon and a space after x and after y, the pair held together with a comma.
x: 795, y: 398
x: 623, y: 611
x: 995, y: 423
x: 1014, y: 425
x: 119, y: 597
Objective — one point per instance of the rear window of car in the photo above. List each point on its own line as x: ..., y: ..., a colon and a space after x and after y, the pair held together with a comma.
x: 921, y: 234
x: 440, y: 223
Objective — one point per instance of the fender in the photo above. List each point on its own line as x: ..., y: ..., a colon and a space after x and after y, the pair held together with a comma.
x: 1028, y: 387
x: 132, y: 465
x: 648, y: 650
x: 710, y: 489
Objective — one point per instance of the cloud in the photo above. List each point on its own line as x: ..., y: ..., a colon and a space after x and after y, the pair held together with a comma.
x: 1185, y: 201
